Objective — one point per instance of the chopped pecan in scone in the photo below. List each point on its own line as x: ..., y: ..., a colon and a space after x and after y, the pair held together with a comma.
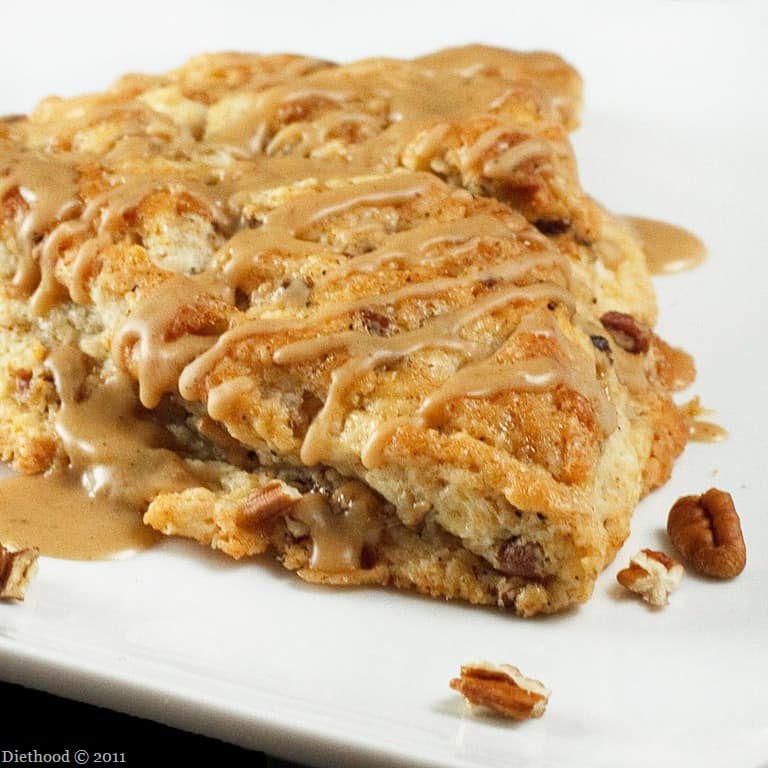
x: 627, y: 332
x: 264, y: 504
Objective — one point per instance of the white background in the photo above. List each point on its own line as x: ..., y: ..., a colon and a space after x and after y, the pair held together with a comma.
x: 675, y: 126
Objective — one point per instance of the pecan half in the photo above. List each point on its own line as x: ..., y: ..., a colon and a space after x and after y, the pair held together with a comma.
x: 630, y: 334
x: 17, y: 567
x: 653, y: 575
x: 502, y: 688
x: 264, y: 504
x: 706, y: 530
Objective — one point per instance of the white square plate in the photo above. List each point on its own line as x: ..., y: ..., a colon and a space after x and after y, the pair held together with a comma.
x: 675, y: 127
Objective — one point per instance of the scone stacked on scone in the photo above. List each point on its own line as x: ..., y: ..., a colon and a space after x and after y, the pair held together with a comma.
x: 364, y: 302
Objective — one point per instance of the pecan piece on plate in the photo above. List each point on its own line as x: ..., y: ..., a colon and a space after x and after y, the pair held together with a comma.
x: 17, y: 567
x: 502, y: 688
x: 652, y: 575
x: 706, y: 530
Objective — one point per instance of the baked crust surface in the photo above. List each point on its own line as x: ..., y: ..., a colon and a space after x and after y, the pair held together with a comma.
x: 364, y: 300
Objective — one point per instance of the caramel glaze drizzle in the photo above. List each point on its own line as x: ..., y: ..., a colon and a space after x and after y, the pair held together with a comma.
x: 160, y: 359
x: 119, y: 460
x: 102, y: 214
x: 538, y: 374
x: 385, y: 104
x: 399, y: 104
x: 380, y: 117
x: 160, y: 355
x: 400, y: 108
x: 48, y: 188
x: 370, y: 121
x: 365, y: 352
x: 113, y: 451
x: 340, y: 538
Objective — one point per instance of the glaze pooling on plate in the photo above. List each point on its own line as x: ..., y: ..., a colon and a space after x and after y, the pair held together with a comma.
x: 668, y: 248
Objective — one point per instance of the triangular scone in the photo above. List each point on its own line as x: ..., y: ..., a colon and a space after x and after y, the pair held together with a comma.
x: 366, y: 303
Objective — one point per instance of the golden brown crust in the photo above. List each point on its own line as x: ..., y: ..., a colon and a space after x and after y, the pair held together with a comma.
x: 427, y: 560
x: 670, y: 436
x: 331, y: 258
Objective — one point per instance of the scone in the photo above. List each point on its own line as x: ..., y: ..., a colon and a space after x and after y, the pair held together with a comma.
x: 360, y: 316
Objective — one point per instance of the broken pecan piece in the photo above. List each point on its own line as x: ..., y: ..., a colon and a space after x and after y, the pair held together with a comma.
x: 524, y: 559
x: 706, y: 530
x: 17, y: 567
x: 502, y: 688
x: 375, y: 323
x: 653, y: 575
x: 630, y: 334
x: 552, y: 226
